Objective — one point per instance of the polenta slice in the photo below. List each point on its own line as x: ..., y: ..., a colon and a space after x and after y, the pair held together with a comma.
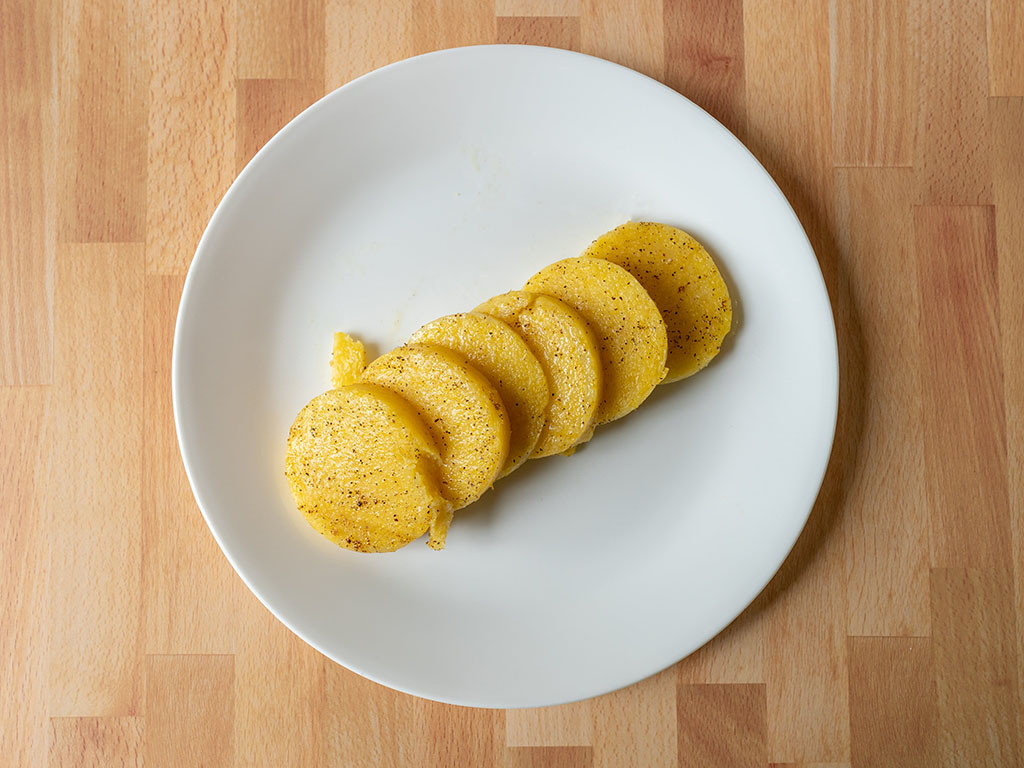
x: 560, y: 339
x: 500, y: 354
x: 625, y: 322
x: 348, y: 359
x: 364, y: 470
x: 463, y: 412
x: 684, y: 282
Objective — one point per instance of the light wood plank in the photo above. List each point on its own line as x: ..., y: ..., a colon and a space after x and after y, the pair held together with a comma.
x: 722, y: 725
x: 266, y: 106
x: 537, y: 7
x: 96, y: 742
x: 631, y: 34
x: 395, y: 730
x: 453, y: 737
x: 552, y: 31
x: 704, y: 56
x: 280, y: 692
x: 94, y: 481
x: 191, y: 160
x: 190, y: 711
x: 786, y: 57
x: 102, y: 122
x: 283, y: 40
x: 1007, y: 116
x: 636, y: 726
x: 887, y: 530
x: 567, y: 725
x: 438, y: 24
x: 190, y: 592
x: 375, y: 725
x: 23, y: 550
x: 951, y: 150
x: 736, y: 655
x: 363, y: 35
x: 28, y: 33
x: 805, y: 660
x: 874, y: 82
x: 964, y: 426
x: 549, y: 757
x: 892, y: 702
x: 1005, y: 61
x: 787, y: 87
x: 978, y: 689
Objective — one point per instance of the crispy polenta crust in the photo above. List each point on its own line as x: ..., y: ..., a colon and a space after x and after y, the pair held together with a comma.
x: 500, y: 354
x: 460, y: 407
x: 364, y: 470
x: 684, y: 282
x: 625, y: 322
x: 568, y: 352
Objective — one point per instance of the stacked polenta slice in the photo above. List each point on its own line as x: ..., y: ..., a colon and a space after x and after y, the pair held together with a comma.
x: 397, y: 446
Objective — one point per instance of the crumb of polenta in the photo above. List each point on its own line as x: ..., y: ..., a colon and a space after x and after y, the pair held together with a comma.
x: 348, y: 359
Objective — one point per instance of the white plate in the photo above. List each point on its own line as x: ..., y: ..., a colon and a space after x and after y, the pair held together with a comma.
x: 420, y: 190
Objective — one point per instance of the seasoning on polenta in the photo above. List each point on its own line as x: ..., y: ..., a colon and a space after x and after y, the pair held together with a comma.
x: 364, y: 470
x: 682, y: 278
x: 501, y: 355
x: 430, y: 425
x: 625, y: 321
x: 460, y: 407
x: 567, y: 350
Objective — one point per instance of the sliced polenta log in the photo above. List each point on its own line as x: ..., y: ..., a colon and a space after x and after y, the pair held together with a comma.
x: 625, y: 322
x: 348, y: 359
x: 365, y: 471
x: 500, y: 354
x: 560, y: 339
x: 684, y: 282
x: 460, y: 407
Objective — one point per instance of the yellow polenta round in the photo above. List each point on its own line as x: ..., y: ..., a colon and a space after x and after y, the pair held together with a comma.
x: 684, y: 282
x: 559, y: 337
x: 348, y: 359
x: 500, y: 354
x: 625, y: 322
x: 365, y: 472
x: 463, y: 412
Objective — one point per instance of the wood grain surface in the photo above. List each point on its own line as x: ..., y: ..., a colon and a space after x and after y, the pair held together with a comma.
x: 893, y: 635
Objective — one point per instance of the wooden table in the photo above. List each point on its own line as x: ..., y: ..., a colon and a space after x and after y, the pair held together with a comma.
x: 891, y: 637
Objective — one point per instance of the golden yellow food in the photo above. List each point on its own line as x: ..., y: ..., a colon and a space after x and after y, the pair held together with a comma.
x: 431, y: 425
x: 500, y: 354
x: 684, y: 282
x: 625, y: 322
x: 348, y: 359
x: 364, y: 470
x: 460, y: 407
x: 560, y: 339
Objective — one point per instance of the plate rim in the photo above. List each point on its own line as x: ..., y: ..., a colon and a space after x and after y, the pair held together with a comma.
x: 202, y: 248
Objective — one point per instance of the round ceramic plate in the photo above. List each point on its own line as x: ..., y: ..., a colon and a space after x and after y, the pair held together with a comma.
x: 422, y: 189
